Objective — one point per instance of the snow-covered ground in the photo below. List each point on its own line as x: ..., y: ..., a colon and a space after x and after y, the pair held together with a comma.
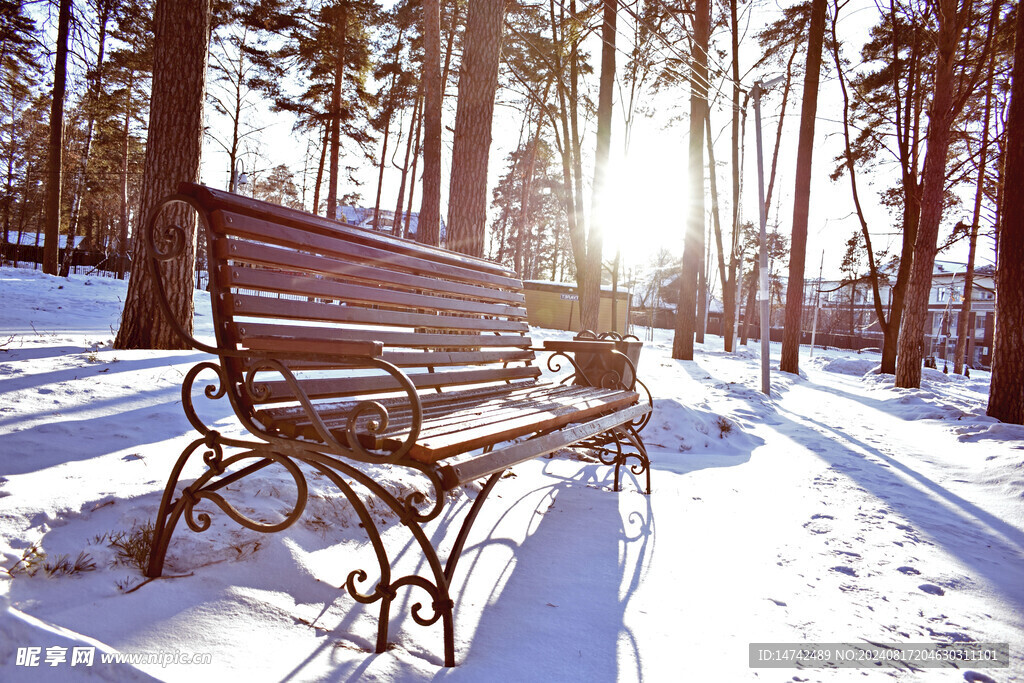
x: 838, y: 510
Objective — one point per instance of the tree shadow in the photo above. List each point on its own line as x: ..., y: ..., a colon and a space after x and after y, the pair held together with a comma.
x: 40, y: 382
x: 570, y: 577
x: 951, y: 521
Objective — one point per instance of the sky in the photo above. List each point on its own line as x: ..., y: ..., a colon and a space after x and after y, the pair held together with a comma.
x: 647, y: 203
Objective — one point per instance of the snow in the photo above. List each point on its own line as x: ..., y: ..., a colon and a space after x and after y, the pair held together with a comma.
x: 840, y: 509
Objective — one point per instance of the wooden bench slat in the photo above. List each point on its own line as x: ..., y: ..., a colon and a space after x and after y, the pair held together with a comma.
x: 479, y: 466
x: 238, y: 251
x: 213, y: 200
x: 352, y: 386
x: 403, y: 359
x: 432, y: 404
x: 287, y: 309
x: 259, y: 230
x: 294, y: 421
x: 496, y: 412
x: 431, y: 450
x: 289, y: 283
x: 246, y: 331
x: 451, y: 415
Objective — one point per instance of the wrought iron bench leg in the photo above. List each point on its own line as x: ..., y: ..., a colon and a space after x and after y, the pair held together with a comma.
x: 438, y: 588
x: 643, y: 465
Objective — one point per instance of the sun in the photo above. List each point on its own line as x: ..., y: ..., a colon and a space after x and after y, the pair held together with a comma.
x: 645, y: 202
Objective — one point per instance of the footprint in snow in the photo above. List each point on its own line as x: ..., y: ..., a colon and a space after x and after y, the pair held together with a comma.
x: 909, y: 571
x: 849, y: 571
x: 931, y: 589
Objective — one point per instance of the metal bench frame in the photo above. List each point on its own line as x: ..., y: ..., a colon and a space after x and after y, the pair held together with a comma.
x: 614, y: 438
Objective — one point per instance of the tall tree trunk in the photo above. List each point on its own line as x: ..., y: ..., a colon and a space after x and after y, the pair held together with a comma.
x: 964, y: 331
x: 729, y: 282
x: 339, y: 74
x: 716, y: 222
x: 940, y: 123
x: 693, y: 247
x: 851, y: 169
x: 907, y: 125
x: 564, y: 134
x: 412, y: 173
x: 793, y: 328
x: 320, y: 168
x: 380, y: 174
x: 181, y: 31
x: 478, y: 83
x: 702, y: 292
x: 55, y: 153
x: 453, y: 26
x: 9, y: 189
x: 396, y: 223
x: 524, y: 201
x: 122, y: 234
x: 589, y: 277
x: 1006, y: 394
x: 96, y: 83
x: 429, y: 229
x: 748, y: 316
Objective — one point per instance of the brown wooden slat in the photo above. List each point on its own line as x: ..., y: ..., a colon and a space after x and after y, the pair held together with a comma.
x: 462, y: 441
x: 244, y: 332
x: 403, y: 359
x: 286, y: 309
x: 259, y: 230
x: 286, y: 259
x: 503, y: 458
x: 436, y: 402
x: 495, y: 412
x: 294, y: 421
x: 312, y: 346
x: 213, y: 200
x: 352, y: 386
x: 305, y: 285
x: 453, y: 415
x: 407, y: 359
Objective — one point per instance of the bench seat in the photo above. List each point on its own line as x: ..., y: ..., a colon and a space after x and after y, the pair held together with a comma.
x: 461, y: 421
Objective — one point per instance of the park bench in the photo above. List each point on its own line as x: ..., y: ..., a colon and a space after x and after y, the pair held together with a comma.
x: 342, y: 349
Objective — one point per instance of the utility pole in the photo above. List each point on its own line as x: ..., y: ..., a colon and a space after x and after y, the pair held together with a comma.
x: 756, y: 92
x: 817, y: 304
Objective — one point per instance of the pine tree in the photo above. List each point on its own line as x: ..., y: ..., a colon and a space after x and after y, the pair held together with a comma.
x: 324, y: 49
x: 693, y: 243
x: 1006, y: 394
x: 790, y: 361
x: 478, y: 82
x: 953, y: 83
x: 429, y: 229
x: 55, y: 156
x: 181, y: 30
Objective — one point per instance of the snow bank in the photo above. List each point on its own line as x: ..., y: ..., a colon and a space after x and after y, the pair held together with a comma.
x: 830, y: 511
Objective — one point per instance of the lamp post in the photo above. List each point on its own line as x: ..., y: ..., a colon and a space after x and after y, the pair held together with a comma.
x: 758, y: 90
x: 238, y: 177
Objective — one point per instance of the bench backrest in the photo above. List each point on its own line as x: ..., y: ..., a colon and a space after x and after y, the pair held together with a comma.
x: 289, y: 282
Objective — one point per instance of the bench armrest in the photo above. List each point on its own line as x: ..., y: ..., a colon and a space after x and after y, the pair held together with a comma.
x: 609, y: 363
x: 577, y: 346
